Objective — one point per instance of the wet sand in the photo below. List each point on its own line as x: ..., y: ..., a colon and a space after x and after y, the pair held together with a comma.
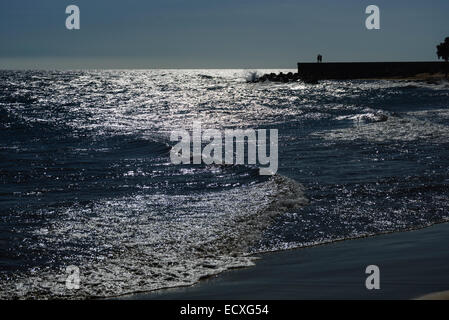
x: 443, y: 295
x: 412, y: 264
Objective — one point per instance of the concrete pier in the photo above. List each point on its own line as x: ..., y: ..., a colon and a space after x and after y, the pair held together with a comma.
x: 368, y: 70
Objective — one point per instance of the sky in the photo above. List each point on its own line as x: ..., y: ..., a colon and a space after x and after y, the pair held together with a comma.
x: 215, y: 34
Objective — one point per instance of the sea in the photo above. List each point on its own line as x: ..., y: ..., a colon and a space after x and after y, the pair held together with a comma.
x: 91, y: 205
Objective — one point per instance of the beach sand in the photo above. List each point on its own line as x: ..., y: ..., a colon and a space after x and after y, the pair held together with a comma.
x: 443, y: 295
x: 412, y: 264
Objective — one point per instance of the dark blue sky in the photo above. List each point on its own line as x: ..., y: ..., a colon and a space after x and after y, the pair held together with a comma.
x: 216, y: 34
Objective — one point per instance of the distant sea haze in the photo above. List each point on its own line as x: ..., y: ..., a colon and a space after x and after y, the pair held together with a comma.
x: 87, y: 180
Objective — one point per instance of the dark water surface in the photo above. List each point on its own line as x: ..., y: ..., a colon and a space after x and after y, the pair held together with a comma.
x: 86, y: 177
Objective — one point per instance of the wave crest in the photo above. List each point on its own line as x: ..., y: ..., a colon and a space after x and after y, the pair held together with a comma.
x: 162, y: 253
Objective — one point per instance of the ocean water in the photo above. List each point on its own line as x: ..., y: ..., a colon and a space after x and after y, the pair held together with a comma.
x: 86, y: 178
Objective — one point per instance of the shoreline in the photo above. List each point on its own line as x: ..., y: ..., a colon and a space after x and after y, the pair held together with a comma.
x: 320, y: 272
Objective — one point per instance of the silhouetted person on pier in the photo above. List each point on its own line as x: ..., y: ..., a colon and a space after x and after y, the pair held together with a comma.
x: 319, y: 58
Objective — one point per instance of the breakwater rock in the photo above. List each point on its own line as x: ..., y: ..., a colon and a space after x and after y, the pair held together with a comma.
x: 282, y: 77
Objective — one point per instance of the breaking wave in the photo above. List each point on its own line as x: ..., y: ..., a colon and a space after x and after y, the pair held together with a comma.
x: 382, y: 128
x: 252, y: 76
x: 87, y: 180
x: 137, y: 251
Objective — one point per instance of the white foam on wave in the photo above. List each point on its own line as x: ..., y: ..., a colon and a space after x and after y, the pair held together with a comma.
x: 365, y: 117
x: 145, y: 252
x: 406, y: 127
x: 252, y: 76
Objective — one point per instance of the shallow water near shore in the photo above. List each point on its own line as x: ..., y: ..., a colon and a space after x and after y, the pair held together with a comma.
x: 86, y: 178
x: 411, y: 264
